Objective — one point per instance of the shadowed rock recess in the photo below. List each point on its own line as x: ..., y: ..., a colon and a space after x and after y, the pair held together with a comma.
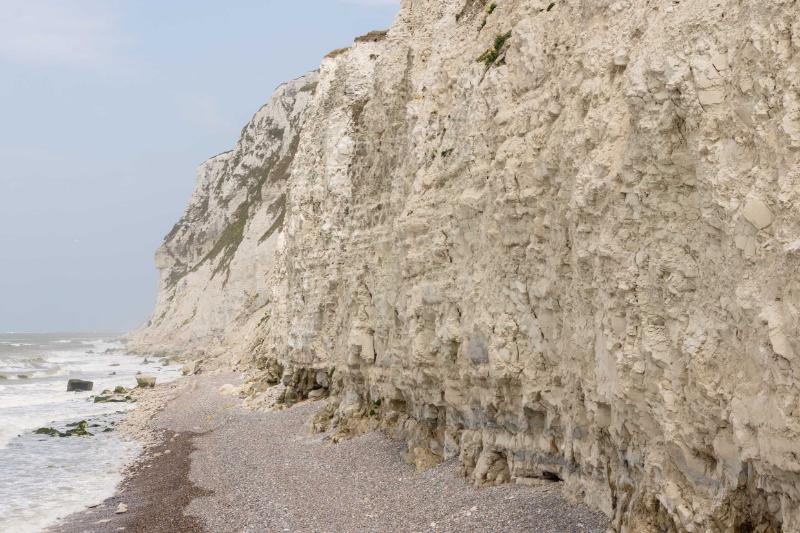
x: 555, y: 240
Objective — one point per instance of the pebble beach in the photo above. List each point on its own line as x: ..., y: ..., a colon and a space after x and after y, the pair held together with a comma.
x: 213, y: 466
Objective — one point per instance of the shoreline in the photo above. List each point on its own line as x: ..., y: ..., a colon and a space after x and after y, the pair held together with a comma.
x: 207, y: 464
x: 156, y: 487
x: 63, y: 450
x: 162, y: 452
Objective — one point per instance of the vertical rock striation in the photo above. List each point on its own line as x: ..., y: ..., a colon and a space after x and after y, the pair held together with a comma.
x: 553, y: 239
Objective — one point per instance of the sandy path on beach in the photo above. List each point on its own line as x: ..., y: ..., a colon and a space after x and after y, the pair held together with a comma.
x: 232, y: 470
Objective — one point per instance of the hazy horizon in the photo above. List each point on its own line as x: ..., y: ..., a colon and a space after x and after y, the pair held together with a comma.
x: 108, y: 108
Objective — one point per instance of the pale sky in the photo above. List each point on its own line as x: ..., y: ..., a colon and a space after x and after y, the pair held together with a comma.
x: 106, y: 109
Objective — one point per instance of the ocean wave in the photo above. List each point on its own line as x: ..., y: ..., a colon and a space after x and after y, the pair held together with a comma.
x: 96, y: 341
x: 39, y: 374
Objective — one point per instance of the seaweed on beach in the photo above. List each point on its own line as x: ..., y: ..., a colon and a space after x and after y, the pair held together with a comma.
x: 79, y: 429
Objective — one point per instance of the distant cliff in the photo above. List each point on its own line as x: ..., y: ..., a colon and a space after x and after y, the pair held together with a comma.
x: 553, y: 239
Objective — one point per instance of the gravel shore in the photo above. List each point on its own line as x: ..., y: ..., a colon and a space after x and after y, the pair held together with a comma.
x: 220, y: 468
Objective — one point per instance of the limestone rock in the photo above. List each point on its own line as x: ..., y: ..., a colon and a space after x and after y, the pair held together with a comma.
x: 757, y: 213
x: 229, y: 390
x: 316, y: 394
x: 145, y: 382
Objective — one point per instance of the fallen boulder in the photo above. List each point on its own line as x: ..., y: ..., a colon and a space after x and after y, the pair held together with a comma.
x: 145, y: 382
x: 79, y: 385
x: 192, y: 367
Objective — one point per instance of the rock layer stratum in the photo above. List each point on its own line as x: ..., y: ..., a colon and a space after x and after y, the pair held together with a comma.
x: 553, y: 239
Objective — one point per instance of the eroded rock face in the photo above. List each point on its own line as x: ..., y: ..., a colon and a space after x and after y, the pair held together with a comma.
x: 214, y: 262
x: 575, y: 259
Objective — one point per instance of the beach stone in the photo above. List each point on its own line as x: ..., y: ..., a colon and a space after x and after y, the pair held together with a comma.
x: 316, y: 394
x: 191, y: 368
x: 52, y: 432
x: 79, y: 429
x: 79, y: 385
x: 145, y: 382
x: 112, y: 398
x: 322, y: 378
x: 121, y: 508
x: 229, y: 390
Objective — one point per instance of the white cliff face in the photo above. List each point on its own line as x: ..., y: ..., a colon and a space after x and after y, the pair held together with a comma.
x: 576, y: 258
x: 213, y: 262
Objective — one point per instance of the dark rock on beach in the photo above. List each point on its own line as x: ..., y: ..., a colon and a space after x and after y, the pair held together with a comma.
x: 119, y: 395
x: 79, y: 385
x: 48, y: 431
x: 79, y: 429
x: 112, y: 398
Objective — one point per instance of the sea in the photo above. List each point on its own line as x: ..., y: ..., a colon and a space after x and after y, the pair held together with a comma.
x: 43, y: 478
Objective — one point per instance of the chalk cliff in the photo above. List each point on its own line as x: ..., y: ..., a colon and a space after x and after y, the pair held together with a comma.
x: 552, y: 239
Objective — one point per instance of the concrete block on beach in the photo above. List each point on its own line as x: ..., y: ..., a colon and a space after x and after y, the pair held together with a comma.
x: 79, y: 385
x: 145, y: 382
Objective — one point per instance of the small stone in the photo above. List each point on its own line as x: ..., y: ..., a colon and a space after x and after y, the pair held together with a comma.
x: 191, y: 368
x: 121, y: 508
x: 229, y: 390
x: 316, y: 394
x: 322, y: 379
